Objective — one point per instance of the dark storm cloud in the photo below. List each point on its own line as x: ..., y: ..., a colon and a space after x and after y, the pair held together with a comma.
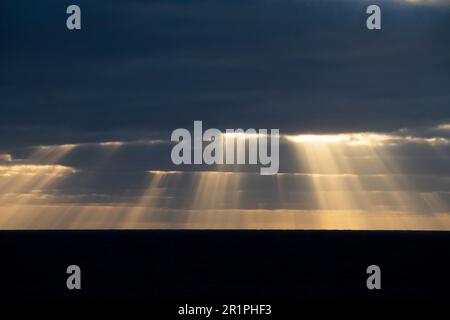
x: 142, y: 68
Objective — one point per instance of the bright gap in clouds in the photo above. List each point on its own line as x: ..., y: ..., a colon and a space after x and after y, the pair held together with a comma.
x: 366, y: 138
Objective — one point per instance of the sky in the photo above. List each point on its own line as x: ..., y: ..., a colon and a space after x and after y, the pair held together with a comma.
x: 86, y: 116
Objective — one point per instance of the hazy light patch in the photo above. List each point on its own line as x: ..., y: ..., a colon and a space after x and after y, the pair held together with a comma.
x: 151, y: 198
x: 116, y: 144
x: 125, y: 143
x: 34, y: 170
x: 50, y: 154
x: 27, y: 184
x: 27, y: 178
x: 6, y: 157
x: 216, y: 190
x: 38, y: 172
x: 112, y: 144
x: 342, y: 138
x: 364, y: 139
x: 153, y: 141
x: 437, y: 141
x: 118, y: 217
x: 443, y: 127
x: 159, y: 172
x: 426, y: 2
x: 210, y: 189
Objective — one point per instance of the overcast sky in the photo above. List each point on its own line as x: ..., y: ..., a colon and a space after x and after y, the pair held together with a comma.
x: 137, y: 70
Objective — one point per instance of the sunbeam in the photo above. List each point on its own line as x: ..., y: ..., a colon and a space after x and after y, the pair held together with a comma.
x: 330, y: 181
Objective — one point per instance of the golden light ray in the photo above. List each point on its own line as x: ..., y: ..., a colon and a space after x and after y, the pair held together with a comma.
x: 210, y: 191
x: 341, y: 185
x: 149, y: 199
x: 331, y: 156
x: 50, y: 154
x: 323, y: 156
x: 23, y: 184
x: 37, y: 175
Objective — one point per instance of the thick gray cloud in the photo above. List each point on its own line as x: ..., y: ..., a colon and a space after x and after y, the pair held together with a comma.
x: 139, y: 68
